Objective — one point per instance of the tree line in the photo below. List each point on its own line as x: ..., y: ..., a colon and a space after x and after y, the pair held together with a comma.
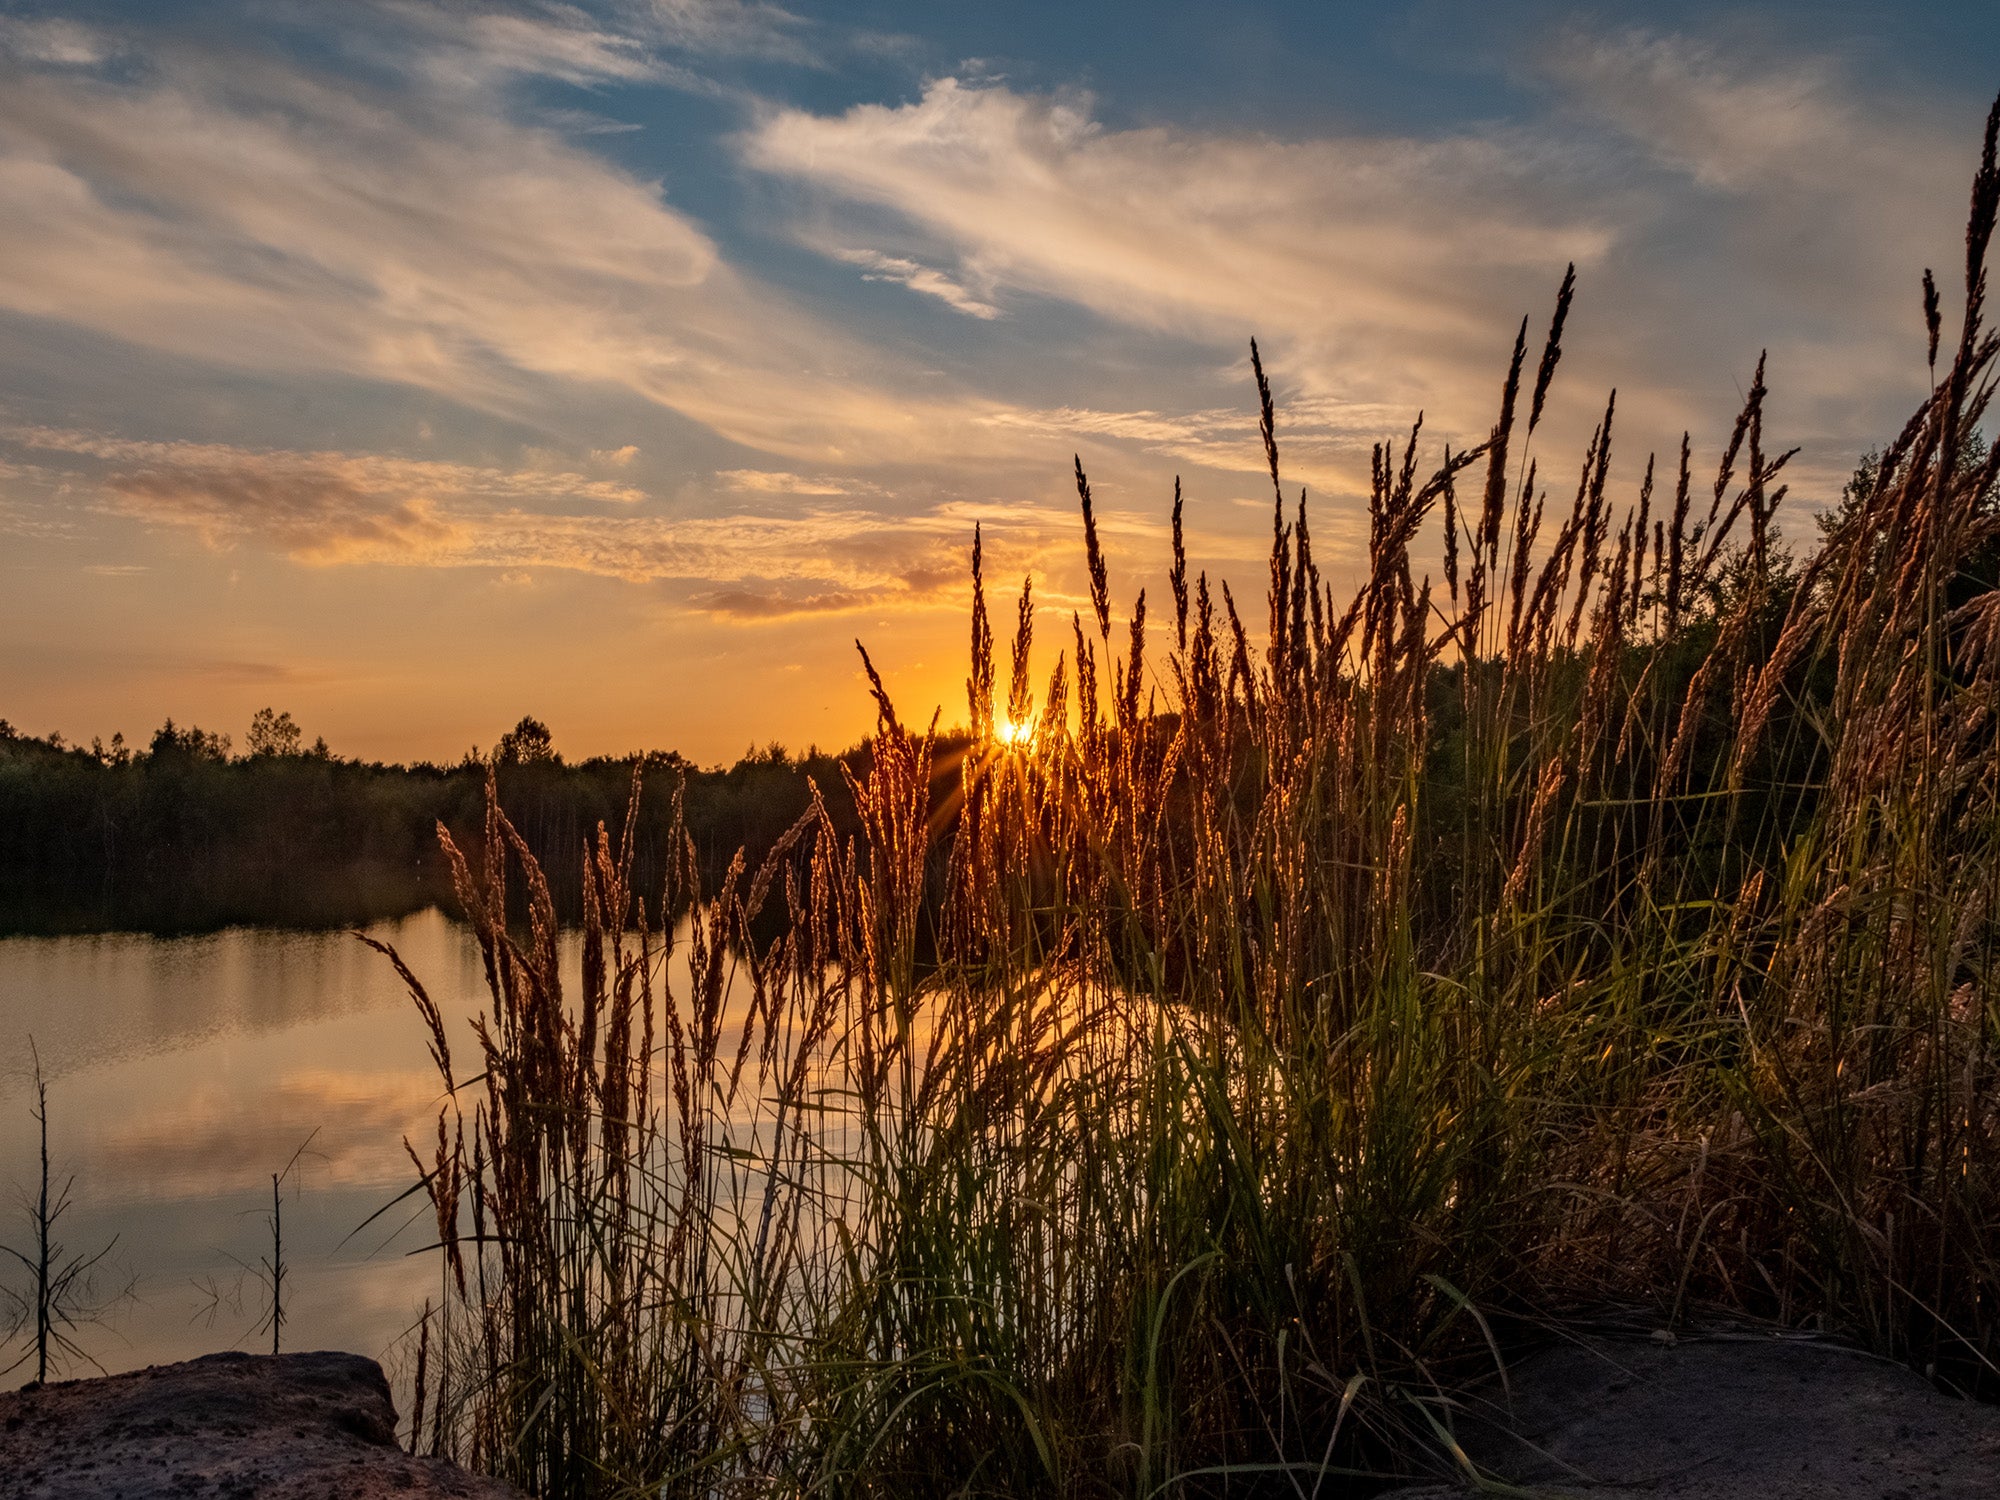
x: 187, y: 833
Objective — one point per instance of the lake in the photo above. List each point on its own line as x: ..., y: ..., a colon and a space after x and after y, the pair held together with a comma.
x: 182, y: 1073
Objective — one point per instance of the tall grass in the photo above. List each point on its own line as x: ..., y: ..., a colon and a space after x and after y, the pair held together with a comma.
x: 1176, y: 1094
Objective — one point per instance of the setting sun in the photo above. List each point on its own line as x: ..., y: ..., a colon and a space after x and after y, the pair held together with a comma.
x: 1007, y: 732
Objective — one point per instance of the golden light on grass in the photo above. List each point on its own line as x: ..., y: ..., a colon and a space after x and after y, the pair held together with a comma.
x: 1615, y: 919
x: 1011, y: 734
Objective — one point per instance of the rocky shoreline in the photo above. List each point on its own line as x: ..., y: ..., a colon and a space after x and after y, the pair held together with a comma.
x: 225, y: 1427
x: 1731, y: 1414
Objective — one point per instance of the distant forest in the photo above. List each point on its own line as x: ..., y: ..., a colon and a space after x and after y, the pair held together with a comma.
x: 187, y: 834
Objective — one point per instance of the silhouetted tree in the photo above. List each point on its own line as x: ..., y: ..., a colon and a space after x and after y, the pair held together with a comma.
x: 191, y: 744
x: 273, y: 733
x: 527, y: 743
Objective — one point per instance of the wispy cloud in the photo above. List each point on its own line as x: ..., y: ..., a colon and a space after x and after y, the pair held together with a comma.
x: 1190, y: 230
x: 275, y: 219
x: 1724, y: 120
x: 1318, y: 430
x: 1818, y: 197
x: 241, y: 672
x: 778, y: 604
x: 918, y: 277
x: 1716, y: 198
x: 729, y: 28
x: 758, y: 31
x: 782, y: 482
x: 319, y: 507
x: 476, y: 48
x: 63, y: 44
x: 328, y: 509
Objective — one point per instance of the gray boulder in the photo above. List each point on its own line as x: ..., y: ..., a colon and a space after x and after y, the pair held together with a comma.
x: 1730, y: 1416
x: 227, y: 1427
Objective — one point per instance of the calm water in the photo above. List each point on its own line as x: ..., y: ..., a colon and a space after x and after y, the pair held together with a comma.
x: 182, y: 1073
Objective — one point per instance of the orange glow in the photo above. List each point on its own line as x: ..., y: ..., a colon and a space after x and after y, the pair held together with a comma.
x: 1007, y: 732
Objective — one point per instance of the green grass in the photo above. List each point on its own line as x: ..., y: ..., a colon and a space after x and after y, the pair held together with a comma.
x: 1192, y: 1094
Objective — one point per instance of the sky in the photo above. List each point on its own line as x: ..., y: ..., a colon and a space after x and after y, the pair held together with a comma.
x: 410, y: 367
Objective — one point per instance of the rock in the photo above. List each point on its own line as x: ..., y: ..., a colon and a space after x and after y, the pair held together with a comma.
x: 227, y: 1427
x: 1726, y: 1416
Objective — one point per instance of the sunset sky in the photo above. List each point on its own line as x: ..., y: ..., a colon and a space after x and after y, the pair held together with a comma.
x: 414, y: 366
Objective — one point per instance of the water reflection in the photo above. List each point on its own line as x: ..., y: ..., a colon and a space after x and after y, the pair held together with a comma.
x: 183, y: 1073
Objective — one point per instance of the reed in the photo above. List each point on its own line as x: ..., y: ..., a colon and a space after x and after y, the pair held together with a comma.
x: 1192, y: 1086
x: 64, y: 1290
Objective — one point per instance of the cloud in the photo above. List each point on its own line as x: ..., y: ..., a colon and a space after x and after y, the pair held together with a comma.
x: 373, y: 471
x: 329, y: 509
x: 757, y: 31
x: 1316, y: 430
x: 249, y: 213
x: 1193, y: 231
x: 1714, y: 200
x: 22, y: 516
x: 247, y: 673
x: 774, y: 604
x: 1703, y: 113
x: 918, y: 278
x: 314, y: 517
x: 63, y: 44
x: 729, y: 28
x: 781, y: 482
x: 318, y: 507
x: 1817, y: 195
x: 476, y: 47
